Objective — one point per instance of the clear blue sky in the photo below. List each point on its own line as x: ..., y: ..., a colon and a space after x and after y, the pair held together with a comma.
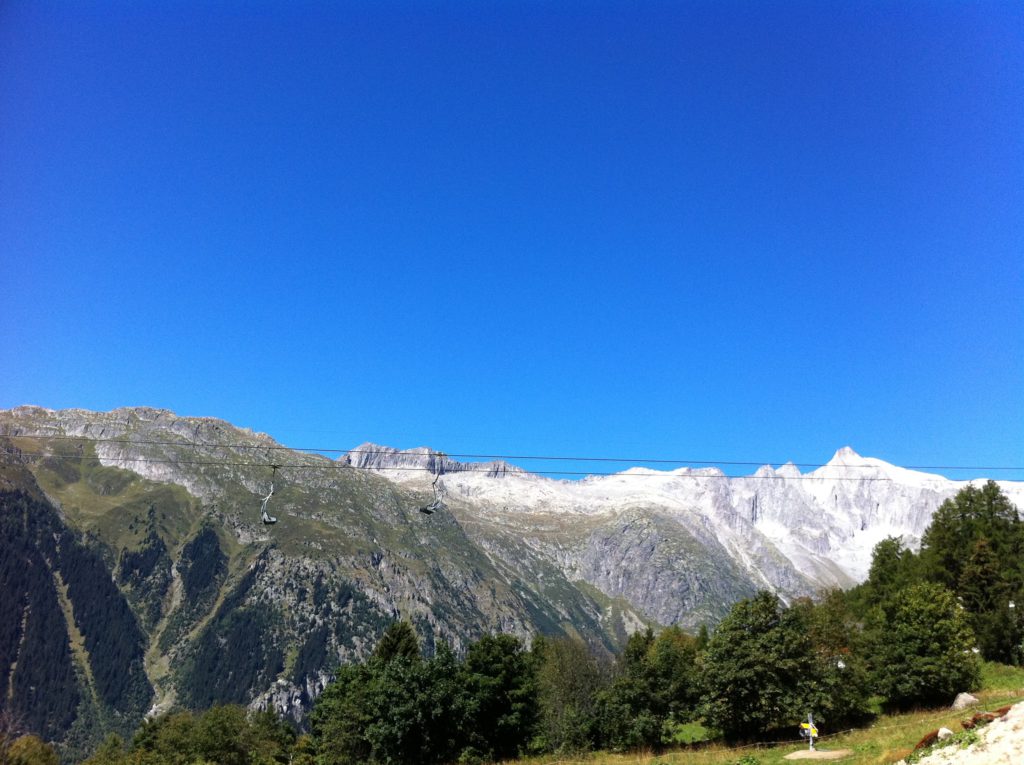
x: 719, y: 230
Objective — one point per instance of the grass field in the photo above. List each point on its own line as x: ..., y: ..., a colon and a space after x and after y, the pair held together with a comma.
x: 888, y: 739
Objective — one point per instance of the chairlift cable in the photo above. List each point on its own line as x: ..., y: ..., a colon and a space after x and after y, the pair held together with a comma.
x: 483, y: 468
x: 478, y: 456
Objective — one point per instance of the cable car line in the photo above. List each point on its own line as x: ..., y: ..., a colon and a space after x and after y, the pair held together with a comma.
x: 483, y: 468
x: 532, y: 457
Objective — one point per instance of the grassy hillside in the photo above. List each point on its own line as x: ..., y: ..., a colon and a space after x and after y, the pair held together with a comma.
x: 887, y: 740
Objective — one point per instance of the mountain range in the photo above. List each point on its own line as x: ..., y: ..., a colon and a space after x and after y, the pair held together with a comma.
x: 132, y: 539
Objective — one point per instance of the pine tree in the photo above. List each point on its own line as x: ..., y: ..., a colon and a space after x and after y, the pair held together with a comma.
x: 986, y: 593
x: 500, y: 680
x: 893, y: 567
x: 959, y: 523
x: 398, y: 641
x: 975, y: 547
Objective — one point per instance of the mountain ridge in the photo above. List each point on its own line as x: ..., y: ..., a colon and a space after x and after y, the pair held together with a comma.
x: 834, y: 489
x: 232, y: 610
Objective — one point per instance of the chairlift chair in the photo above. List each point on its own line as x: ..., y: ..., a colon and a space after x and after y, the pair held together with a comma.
x: 268, y: 519
x: 438, y: 502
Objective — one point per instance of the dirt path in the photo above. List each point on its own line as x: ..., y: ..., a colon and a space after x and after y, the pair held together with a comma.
x: 819, y: 754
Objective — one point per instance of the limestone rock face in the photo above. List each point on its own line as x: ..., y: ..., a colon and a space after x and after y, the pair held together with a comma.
x: 421, y: 459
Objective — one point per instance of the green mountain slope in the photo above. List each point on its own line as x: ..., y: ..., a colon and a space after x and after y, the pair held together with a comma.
x: 212, y: 606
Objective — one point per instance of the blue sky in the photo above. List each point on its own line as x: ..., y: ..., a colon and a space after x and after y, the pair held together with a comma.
x: 712, y: 231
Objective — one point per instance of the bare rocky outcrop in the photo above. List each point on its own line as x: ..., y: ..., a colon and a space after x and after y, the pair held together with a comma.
x: 376, y: 457
x: 964, y: 700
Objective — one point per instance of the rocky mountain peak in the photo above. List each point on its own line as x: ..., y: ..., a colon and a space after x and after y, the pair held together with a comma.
x: 372, y: 456
x: 846, y: 456
x: 789, y: 470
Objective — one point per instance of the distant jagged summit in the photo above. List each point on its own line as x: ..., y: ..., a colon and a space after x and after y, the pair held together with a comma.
x: 846, y: 456
x: 376, y: 457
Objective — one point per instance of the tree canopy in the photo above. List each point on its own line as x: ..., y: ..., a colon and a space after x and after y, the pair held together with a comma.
x: 767, y: 666
x: 974, y: 548
x: 923, y: 647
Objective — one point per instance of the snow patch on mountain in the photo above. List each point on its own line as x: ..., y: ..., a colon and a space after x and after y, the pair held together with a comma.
x: 823, y: 524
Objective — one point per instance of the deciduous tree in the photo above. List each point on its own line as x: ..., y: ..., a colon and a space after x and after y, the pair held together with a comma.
x: 753, y: 667
x: 569, y: 678
x: 923, y: 648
